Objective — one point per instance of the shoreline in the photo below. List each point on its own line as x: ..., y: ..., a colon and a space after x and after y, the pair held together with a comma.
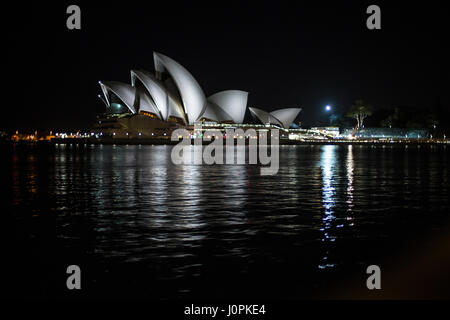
x: 143, y: 141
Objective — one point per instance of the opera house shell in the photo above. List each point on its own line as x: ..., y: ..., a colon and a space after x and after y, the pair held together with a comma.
x: 172, y: 94
x: 282, y: 117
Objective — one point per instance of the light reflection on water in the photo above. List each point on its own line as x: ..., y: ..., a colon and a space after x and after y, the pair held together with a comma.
x: 128, y: 209
x: 350, y: 169
x: 327, y: 163
x: 331, y: 174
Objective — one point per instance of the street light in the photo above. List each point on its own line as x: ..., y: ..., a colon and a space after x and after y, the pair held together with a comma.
x: 328, y: 107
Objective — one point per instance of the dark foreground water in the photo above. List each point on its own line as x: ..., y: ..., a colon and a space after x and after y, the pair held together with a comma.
x: 141, y: 227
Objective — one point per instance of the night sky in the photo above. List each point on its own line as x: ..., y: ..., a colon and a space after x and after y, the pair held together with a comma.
x: 284, y: 54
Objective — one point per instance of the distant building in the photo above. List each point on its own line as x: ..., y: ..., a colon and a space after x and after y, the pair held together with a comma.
x: 386, y: 133
x: 331, y: 132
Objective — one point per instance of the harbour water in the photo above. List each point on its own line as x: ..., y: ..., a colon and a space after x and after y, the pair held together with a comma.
x: 141, y: 227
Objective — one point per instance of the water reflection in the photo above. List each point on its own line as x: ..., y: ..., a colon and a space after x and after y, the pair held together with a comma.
x: 327, y: 165
x: 350, y: 167
x: 128, y: 212
x: 336, y: 218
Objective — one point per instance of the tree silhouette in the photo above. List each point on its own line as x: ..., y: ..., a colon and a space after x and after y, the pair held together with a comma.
x: 359, y: 111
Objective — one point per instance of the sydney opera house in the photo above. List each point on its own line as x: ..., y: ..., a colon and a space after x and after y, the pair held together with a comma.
x: 282, y: 117
x: 154, y: 104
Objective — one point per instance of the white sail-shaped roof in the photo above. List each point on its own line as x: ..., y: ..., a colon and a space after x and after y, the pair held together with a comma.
x: 215, y: 113
x: 125, y: 92
x: 286, y: 116
x: 173, y: 92
x: 264, y: 116
x: 282, y: 117
x: 146, y: 104
x: 176, y: 110
x: 192, y: 96
x: 232, y: 102
x: 164, y: 101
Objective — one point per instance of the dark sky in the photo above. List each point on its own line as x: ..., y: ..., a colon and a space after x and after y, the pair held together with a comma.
x: 285, y: 54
